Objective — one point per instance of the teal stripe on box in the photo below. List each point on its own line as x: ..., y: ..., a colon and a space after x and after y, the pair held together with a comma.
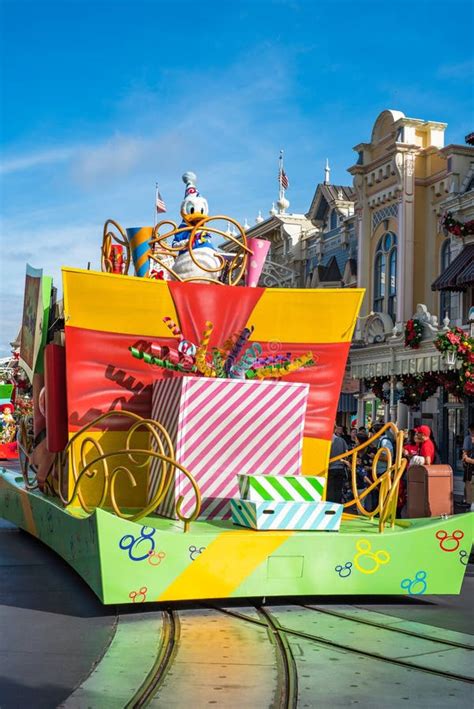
x: 309, y: 516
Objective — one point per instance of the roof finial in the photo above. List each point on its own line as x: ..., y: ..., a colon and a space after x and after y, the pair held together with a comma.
x: 327, y: 172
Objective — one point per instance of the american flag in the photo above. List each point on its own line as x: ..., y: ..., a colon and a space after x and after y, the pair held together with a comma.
x: 160, y: 205
x: 283, y: 179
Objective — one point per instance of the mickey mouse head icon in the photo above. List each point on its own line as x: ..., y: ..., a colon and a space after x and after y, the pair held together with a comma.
x: 449, y: 542
x: 194, y: 552
x: 416, y: 586
x: 138, y: 596
x: 344, y: 571
x: 140, y: 547
x: 155, y: 557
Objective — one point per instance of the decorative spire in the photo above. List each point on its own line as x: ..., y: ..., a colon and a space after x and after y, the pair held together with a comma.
x: 273, y: 211
x: 327, y: 173
x: 259, y: 219
x: 246, y: 225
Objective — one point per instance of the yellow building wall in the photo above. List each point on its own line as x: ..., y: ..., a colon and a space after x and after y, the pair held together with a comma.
x: 420, y: 248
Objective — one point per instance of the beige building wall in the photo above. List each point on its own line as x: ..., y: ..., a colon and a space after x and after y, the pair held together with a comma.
x: 405, y: 174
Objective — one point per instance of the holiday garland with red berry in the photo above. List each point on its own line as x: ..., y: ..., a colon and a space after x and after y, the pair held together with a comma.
x: 416, y: 388
x: 458, y: 341
x: 454, y: 226
x: 413, y: 333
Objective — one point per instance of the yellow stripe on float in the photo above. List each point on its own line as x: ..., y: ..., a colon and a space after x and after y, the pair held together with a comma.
x: 309, y: 315
x: 116, y: 303
x: 224, y: 565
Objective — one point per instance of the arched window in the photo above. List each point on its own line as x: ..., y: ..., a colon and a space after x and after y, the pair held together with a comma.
x: 333, y: 219
x: 450, y: 302
x: 392, y: 283
x: 385, y: 275
x: 379, y: 286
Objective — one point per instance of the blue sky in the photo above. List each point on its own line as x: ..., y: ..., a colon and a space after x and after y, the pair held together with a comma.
x: 101, y: 99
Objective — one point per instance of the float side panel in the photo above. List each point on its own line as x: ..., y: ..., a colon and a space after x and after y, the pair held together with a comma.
x: 73, y: 538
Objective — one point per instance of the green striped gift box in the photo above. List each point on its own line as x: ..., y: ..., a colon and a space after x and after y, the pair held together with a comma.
x: 281, y: 488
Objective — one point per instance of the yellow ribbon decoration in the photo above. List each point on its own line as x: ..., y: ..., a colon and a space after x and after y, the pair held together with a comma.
x: 201, y: 362
x: 293, y: 366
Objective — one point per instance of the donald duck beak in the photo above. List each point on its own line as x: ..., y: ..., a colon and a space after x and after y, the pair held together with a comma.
x: 193, y: 218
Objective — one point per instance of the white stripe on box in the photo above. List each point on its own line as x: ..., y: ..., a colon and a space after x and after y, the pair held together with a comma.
x: 255, y: 441
x: 244, y: 422
x: 165, y: 410
x: 232, y: 458
x: 223, y: 404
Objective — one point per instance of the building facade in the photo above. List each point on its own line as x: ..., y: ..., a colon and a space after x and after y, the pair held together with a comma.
x: 387, y: 233
x: 405, y: 180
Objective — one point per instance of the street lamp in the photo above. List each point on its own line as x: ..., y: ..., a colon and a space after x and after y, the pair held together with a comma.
x: 451, y: 358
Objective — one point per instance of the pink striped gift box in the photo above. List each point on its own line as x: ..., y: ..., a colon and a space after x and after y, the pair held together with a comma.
x: 222, y: 427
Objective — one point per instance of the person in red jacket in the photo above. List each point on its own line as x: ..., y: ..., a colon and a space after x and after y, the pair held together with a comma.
x: 426, y: 447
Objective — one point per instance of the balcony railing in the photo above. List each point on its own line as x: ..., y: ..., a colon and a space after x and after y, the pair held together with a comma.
x: 275, y: 275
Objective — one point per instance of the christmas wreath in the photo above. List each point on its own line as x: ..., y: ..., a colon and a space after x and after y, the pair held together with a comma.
x: 413, y: 333
x: 460, y: 382
x: 456, y: 227
x: 375, y: 384
x: 418, y: 388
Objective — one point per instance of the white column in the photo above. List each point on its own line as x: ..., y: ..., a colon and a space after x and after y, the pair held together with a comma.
x: 363, y: 257
x: 408, y: 230
x: 400, y: 261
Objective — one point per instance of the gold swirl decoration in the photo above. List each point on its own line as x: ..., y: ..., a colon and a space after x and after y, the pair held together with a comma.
x: 235, y: 266
x: 387, y: 483
x: 110, y: 473
x: 25, y: 450
x: 109, y: 237
x: 161, y: 250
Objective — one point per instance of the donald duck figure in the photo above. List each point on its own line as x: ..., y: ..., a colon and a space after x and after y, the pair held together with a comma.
x: 193, y: 209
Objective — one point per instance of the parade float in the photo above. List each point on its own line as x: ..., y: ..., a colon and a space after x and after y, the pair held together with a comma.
x: 182, y: 421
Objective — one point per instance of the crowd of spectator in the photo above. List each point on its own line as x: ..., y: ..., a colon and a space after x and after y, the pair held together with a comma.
x: 419, y: 449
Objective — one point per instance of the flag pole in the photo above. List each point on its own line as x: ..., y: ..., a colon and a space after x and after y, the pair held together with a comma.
x: 281, y: 193
x: 155, y: 213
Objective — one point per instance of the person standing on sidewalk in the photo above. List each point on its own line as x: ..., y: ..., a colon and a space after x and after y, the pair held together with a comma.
x: 337, y: 470
x: 468, y: 464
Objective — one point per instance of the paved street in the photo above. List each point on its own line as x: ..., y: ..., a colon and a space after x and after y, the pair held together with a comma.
x: 58, y: 645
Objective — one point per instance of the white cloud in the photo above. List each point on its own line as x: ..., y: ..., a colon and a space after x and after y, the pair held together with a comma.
x: 229, y: 131
x: 113, y: 159
x: 459, y: 70
x: 27, y: 161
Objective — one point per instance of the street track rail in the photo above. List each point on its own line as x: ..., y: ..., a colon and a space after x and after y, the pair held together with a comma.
x: 382, y: 626
x: 167, y: 648
x: 180, y: 640
x: 288, y: 674
x: 347, y: 648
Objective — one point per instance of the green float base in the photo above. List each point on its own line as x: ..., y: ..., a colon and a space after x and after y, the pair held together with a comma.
x: 154, y: 560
